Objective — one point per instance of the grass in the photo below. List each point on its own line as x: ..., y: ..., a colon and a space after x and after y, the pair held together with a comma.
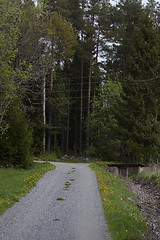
x: 52, y: 157
x: 73, y: 160
x: 61, y: 199
x: 56, y: 219
x: 150, y: 175
x: 124, y: 219
x: 15, y: 183
x: 48, y: 157
x: 67, y: 185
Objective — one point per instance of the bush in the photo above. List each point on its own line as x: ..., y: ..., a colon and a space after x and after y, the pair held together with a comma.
x: 15, y: 145
x: 51, y: 157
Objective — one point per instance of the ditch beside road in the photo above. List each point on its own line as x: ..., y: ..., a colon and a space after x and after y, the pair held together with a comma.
x: 149, y: 203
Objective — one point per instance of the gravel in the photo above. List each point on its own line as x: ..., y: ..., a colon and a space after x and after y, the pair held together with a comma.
x: 149, y: 196
x: 77, y: 215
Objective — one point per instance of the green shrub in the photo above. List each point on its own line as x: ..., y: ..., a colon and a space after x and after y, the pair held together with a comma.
x: 50, y: 157
x: 15, y: 145
x: 150, y: 175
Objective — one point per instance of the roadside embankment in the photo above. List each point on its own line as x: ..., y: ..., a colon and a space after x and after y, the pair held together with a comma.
x: 124, y: 218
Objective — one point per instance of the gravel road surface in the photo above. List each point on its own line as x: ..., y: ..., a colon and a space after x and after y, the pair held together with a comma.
x: 77, y: 215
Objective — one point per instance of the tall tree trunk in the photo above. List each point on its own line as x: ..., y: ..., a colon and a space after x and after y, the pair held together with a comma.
x: 81, y: 109
x: 44, y: 114
x: 75, y: 135
x: 50, y: 109
x: 89, y: 97
x: 68, y: 131
x: 96, y: 60
x: 51, y: 85
x: 62, y: 138
x: 49, y: 132
x: 55, y: 134
x: 68, y: 122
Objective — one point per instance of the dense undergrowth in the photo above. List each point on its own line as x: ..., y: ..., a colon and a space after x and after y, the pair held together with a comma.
x: 15, y: 183
x: 50, y: 157
x: 150, y: 175
x: 123, y: 217
x: 54, y: 157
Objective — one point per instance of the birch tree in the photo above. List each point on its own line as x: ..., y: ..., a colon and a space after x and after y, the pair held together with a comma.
x: 9, y: 34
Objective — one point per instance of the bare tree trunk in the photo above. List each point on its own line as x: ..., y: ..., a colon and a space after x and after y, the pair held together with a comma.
x: 55, y: 134
x: 68, y: 131
x: 44, y: 114
x: 50, y: 109
x: 96, y: 59
x: 89, y: 97
x: 81, y: 109
x: 75, y: 135
x: 62, y: 138
x: 68, y: 123
x: 49, y: 132
x: 51, y: 86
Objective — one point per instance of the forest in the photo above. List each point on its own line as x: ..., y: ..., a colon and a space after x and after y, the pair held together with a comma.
x: 79, y: 77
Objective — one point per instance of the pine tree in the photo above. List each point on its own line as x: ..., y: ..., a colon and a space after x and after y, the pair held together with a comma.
x: 60, y: 6
x: 62, y: 38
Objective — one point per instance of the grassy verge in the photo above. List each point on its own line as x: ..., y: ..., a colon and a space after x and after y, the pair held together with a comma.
x: 15, y: 183
x: 51, y: 157
x: 150, y: 176
x: 124, y: 219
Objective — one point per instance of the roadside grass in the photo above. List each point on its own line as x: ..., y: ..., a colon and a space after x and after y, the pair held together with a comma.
x: 123, y: 217
x: 150, y: 175
x: 52, y: 157
x: 15, y: 183
x: 74, y: 160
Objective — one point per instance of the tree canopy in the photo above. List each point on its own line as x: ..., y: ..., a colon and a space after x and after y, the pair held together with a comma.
x: 84, y: 78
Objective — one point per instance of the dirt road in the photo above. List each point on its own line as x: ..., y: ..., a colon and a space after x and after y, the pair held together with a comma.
x: 65, y: 205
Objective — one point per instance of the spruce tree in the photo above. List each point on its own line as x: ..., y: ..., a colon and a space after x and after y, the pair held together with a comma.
x: 15, y: 146
x: 137, y: 60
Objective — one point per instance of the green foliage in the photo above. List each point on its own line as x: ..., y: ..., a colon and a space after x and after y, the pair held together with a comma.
x: 9, y: 33
x: 15, y: 183
x: 150, y: 175
x: 50, y: 157
x: 60, y: 6
x: 103, y: 125
x: 38, y: 40
x: 124, y: 219
x: 15, y: 145
x: 136, y: 58
x: 62, y: 36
